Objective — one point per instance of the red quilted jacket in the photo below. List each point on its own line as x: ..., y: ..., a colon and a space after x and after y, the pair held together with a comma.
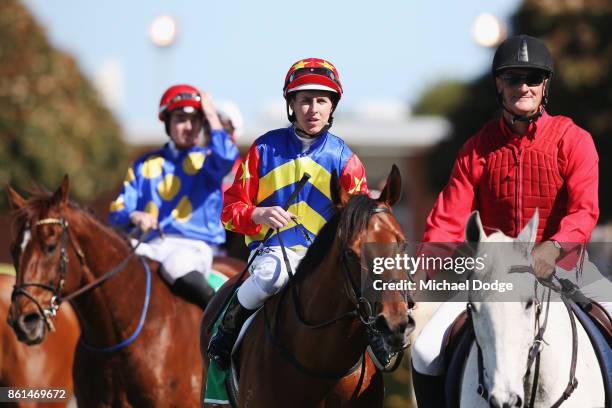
x: 506, y: 176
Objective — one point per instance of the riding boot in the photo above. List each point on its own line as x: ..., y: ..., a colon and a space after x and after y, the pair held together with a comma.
x: 194, y: 288
x: 379, y: 349
x: 221, y: 344
x: 428, y: 390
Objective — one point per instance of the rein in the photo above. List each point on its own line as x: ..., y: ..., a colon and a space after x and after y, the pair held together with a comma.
x: 362, y: 309
x: 538, y: 341
x: 49, y: 312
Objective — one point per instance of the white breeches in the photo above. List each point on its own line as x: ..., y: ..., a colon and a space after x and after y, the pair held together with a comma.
x: 178, y: 255
x: 268, y: 275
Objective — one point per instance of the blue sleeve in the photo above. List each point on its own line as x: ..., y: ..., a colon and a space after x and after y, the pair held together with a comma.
x: 224, y: 154
x: 126, y: 202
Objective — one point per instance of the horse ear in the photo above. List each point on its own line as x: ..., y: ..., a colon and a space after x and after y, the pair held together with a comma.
x: 474, y: 232
x: 530, y: 232
x: 17, y: 201
x: 61, y: 195
x: 393, y: 188
x: 339, y: 195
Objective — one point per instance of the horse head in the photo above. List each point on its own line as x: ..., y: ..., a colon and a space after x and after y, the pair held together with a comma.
x: 504, y: 330
x: 365, y: 222
x: 40, y: 250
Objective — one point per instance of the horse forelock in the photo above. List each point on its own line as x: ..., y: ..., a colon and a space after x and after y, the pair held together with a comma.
x: 354, y: 217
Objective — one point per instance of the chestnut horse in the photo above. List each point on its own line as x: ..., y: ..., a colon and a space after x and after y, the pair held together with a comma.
x: 284, y: 360
x: 47, y: 365
x: 138, y: 345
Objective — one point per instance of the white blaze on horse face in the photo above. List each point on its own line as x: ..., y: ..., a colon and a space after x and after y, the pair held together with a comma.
x: 505, y: 332
x: 25, y: 239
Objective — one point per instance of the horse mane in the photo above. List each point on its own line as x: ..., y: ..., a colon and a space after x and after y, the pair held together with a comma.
x: 41, y: 201
x: 349, y: 221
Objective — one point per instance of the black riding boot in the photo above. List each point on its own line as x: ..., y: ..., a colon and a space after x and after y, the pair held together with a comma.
x: 194, y: 288
x: 428, y: 390
x: 221, y: 344
x: 379, y: 349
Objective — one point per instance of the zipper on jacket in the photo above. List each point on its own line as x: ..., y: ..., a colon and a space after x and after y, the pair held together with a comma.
x: 519, y: 191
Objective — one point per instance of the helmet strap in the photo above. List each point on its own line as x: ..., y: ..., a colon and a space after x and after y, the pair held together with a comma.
x: 523, y: 118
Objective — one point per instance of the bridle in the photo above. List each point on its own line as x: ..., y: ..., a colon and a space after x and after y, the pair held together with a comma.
x: 363, y: 309
x: 538, y: 340
x: 57, y: 298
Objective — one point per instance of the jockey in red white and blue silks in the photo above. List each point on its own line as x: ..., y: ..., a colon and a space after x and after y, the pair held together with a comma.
x: 269, y: 174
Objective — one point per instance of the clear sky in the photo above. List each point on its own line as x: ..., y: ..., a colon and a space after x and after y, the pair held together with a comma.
x: 241, y: 50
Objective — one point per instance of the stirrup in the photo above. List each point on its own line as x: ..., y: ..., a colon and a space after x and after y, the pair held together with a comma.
x: 220, y: 348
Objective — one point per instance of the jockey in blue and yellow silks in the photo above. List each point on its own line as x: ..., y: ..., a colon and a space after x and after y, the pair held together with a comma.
x: 269, y: 174
x: 177, y: 190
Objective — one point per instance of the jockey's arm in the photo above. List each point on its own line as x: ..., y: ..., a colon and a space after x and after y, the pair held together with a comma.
x: 239, y: 200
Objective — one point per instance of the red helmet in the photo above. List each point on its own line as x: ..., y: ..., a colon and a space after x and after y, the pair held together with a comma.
x: 312, y: 73
x: 180, y: 96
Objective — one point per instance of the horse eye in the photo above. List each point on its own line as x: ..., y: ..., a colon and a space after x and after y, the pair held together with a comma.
x: 51, y: 248
x: 529, y: 304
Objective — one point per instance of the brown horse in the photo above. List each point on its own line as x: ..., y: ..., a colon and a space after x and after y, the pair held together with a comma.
x: 61, y: 249
x: 284, y: 360
x: 47, y: 365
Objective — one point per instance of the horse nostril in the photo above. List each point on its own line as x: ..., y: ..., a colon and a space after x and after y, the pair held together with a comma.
x: 382, y: 325
x: 29, y: 321
x: 518, y: 402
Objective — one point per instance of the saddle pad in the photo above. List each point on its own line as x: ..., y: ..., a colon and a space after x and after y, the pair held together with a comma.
x: 216, y: 392
x: 216, y: 279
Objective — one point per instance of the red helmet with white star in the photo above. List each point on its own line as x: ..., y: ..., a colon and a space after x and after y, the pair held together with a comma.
x: 312, y: 74
x: 182, y: 96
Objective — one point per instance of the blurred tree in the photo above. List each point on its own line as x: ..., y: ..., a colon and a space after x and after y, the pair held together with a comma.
x: 441, y: 98
x: 52, y: 121
x: 579, y: 35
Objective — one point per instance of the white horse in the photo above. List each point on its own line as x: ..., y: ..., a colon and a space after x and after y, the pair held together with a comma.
x: 505, y: 333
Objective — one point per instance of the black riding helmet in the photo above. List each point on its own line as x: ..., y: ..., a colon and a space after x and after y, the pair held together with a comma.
x: 523, y: 51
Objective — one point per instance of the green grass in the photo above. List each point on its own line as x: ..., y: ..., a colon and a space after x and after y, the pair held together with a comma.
x: 7, y: 269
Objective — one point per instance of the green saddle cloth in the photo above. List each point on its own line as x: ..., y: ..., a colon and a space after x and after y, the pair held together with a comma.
x: 215, y: 377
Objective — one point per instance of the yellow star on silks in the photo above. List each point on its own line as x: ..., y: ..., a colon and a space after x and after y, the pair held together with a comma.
x: 245, y: 172
x: 327, y: 65
x: 357, y: 187
x: 299, y: 64
x: 228, y: 225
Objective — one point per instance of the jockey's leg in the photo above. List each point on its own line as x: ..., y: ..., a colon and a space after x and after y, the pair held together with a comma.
x: 428, y: 389
x: 427, y: 358
x: 186, y: 264
x: 268, y: 276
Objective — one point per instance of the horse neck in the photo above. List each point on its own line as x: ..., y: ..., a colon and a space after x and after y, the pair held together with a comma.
x: 107, y: 310
x: 323, y: 296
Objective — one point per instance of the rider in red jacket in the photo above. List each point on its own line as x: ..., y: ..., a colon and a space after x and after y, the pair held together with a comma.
x: 526, y: 159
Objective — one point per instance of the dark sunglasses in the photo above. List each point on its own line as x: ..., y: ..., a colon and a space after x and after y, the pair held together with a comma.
x: 531, y: 79
x: 317, y: 71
